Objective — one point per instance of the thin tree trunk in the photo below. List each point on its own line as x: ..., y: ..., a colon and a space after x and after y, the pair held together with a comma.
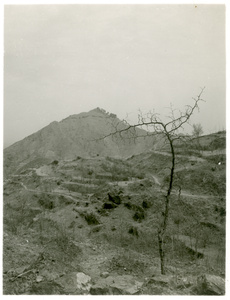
x: 162, y: 230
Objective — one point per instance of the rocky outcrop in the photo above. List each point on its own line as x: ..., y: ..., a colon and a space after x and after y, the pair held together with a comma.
x: 210, y: 285
x: 119, y: 285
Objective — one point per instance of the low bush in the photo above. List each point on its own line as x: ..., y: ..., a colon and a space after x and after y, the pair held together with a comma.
x: 109, y: 206
x: 92, y: 219
x: 146, y: 204
x: 45, y: 201
x: 133, y: 230
x: 139, y: 216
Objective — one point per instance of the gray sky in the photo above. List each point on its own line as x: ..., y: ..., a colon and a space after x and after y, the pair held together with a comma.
x: 64, y: 59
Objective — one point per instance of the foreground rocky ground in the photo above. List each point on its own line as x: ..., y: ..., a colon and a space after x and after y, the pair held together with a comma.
x: 89, y: 226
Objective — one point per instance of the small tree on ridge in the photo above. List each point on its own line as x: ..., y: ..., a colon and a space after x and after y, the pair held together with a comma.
x: 170, y: 131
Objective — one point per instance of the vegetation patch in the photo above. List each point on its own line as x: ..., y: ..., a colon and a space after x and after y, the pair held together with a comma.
x: 134, y: 231
x: 92, y: 219
x: 139, y: 216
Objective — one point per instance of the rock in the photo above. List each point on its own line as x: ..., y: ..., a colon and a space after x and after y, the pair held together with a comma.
x: 100, y: 289
x: 185, y: 282
x: 83, y: 281
x: 75, y: 283
x: 22, y: 269
x: 161, y: 279
x: 119, y: 285
x: 39, y: 278
x: 210, y: 285
x: 104, y: 274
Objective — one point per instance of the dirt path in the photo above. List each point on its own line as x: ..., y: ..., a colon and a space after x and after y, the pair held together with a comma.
x: 52, y: 193
x: 183, y: 193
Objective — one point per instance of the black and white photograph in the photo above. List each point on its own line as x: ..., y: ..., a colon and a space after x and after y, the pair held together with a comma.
x: 114, y: 149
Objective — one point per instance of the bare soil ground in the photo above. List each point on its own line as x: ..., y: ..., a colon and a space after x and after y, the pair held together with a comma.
x: 59, y: 219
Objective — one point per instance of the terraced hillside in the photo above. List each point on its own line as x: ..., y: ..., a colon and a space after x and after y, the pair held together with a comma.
x: 88, y: 225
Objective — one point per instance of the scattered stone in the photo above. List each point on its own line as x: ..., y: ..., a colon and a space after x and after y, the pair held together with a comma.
x: 75, y: 283
x: 161, y: 279
x: 100, y: 289
x: 39, y: 278
x: 21, y: 270
x: 185, y: 282
x: 83, y: 281
x: 119, y: 285
x: 210, y: 285
x: 104, y: 274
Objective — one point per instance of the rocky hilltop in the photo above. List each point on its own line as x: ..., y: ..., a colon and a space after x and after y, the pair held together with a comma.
x: 78, y: 135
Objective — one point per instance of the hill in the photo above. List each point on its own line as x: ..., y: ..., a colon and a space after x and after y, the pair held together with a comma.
x: 77, y: 135
x: 84, y: 220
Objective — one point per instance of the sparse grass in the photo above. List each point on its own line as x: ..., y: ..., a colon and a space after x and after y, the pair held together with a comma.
x: 201, y: 181
x: 130, y: 230
x: 127, y: 262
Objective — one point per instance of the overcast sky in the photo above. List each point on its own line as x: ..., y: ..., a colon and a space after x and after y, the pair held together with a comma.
x: 61, y: 60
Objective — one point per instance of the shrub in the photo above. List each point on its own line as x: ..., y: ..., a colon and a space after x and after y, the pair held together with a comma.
x: 128, y: 205
x: 146, y: 204
x: 109, y: 206
x: 91, y: 219
x: 138, y: 216
x: 133, y: 230
x: 46, y: 202
x: 103, y: 212
x: 115, y: 199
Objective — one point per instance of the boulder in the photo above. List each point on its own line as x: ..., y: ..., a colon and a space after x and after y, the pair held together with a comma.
x: 116, y: 285
x: 210, y: 285
x: 83, y: 281
x: 75, y: 283
x: 39, y: 278
x: 104, y: 274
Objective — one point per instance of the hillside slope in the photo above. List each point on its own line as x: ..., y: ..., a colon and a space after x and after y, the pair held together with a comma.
x: 77, y: 135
